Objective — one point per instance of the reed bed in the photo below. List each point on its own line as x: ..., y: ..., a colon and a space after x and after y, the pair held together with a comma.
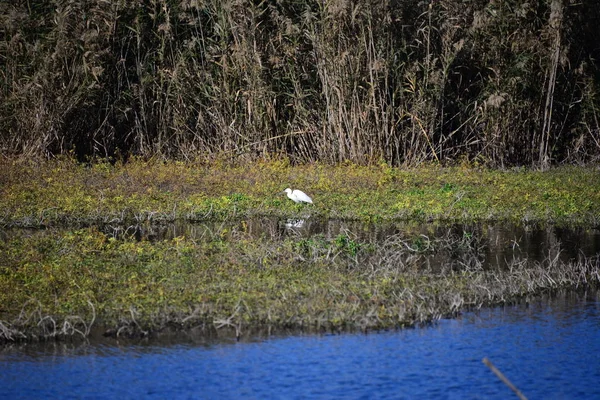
x: 499, y: 83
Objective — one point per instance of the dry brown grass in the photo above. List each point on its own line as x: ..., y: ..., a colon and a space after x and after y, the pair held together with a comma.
x: 500, y: 83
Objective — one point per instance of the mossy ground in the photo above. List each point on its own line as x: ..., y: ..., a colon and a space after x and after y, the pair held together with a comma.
x: 56, y: 281
x: 62, y: 191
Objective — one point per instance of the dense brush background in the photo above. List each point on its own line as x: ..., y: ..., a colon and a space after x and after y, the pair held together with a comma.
x: 496, y: 82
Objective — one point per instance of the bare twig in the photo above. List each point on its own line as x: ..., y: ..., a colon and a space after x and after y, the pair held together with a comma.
x: 503, y: 378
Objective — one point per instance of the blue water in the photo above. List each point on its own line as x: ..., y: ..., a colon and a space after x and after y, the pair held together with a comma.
x: 549, y: 349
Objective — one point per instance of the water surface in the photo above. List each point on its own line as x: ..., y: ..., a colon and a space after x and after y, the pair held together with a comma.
x: 548, y: 348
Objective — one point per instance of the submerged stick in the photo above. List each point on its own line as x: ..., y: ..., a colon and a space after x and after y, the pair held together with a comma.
x: 503, y: 378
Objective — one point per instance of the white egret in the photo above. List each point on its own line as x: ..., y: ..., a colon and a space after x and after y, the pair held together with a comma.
x: 298, y: 196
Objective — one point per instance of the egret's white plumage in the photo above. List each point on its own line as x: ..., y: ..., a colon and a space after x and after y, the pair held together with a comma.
x: 298, y: 196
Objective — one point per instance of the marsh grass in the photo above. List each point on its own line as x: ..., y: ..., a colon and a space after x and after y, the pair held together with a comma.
x: 58, y: 192
x: 60, y: 283
x: 56, y: 283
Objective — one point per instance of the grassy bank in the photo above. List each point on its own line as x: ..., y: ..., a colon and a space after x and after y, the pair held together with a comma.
x: 59, y: 283
x: 69, y: 277
x: 64, y: 192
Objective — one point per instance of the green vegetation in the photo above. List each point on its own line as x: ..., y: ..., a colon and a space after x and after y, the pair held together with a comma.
x: 57, y: 283
x: 64, y: 192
